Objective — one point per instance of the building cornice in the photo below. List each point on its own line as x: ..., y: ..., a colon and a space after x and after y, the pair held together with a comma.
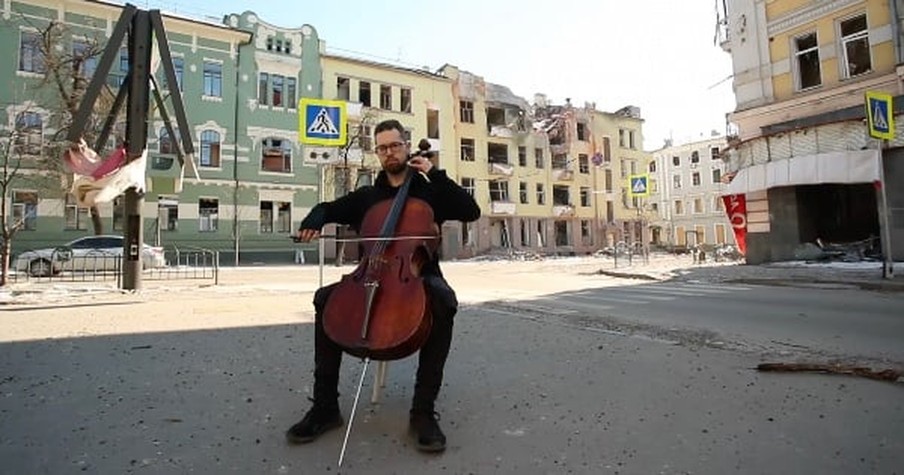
x: 806, y: 15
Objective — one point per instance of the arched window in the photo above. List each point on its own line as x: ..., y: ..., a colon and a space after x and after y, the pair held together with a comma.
x: 276, y: 155
x: 29, y: 133
x: 210, y: 149
x: 165, y: 142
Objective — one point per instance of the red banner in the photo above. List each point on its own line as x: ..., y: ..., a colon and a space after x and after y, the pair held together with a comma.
x: 736, y: 207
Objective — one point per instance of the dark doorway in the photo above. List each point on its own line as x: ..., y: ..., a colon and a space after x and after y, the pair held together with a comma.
x: 837, y: 213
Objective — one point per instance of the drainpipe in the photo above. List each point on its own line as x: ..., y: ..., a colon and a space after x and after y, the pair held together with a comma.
x: 235, y: 152
x: 896, y: 30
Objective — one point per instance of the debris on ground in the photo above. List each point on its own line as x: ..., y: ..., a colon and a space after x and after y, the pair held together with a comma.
x: 508, y: 254
x: 883, y: 375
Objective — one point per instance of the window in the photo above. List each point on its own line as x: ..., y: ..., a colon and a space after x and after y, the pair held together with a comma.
x: 385, y: 97
x: 468, y: 185
x: 291, y: 92
x: 165, y: 144
x: 406, y: 100
x: 343, y: 88
x: 365, y: 139
x: 466, y: 111
x: 698, y: 205
x: 84, y: 58
x: 522, y: 156
x: 717, y: 175
x: 631, y: 144
x: 210, y: 149
x: 695, y: 178
x: 560, y: 161
x: 807, y: 61
x: 714, y: 153
x: 679, y: 207
x: 541, y: 194
x: 499, y: 190
x: 621, y: 138
x: 29, y: 133
x: 178, y: 68
x: 467, y: 150
x: 652, y: 167
x: 855, y: 46
x: 538, y: 157
x: 213, y: 79
x: 208, y: 214
x: 624, y: 168
x: 676, y: 181
x: 582, y: 131
x: 676, y: 161
x: 607, y: 150
x: 583, y: 163
x: 284, y: 217
x: 31, y: 59
x: 585, y: 196
x: 608, y: 180
x: 263, y: 89
x: 522, y: 193
x: 277, y: 85
x: 467, y: 234
x: 25, y: 209
x: 168, y: 212
x: 116, y: 77
x: 561, y: 195
x: 276, y: 155
x: 76, y: 217
x: 275, y: 215
x: 585, y: 232
x: 695, y: 157
x: 266, y: 217
x: 718, y: 204
x: 364, y: 93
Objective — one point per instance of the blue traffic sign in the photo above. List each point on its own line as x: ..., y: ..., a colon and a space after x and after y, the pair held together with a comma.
x: 639, y: 185
x: 880, y: 115
x: 322, y: 122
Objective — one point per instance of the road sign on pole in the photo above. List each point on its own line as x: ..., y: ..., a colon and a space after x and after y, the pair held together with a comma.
x: 322, y: 122
x: 880, y: 115
x: 639, y: 185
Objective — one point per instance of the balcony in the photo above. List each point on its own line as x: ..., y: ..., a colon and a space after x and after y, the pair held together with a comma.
x: 501, y: 131
x: 562, y: 174
x: 559, y: 210
x: 505, y: 169
x: 502, y: 207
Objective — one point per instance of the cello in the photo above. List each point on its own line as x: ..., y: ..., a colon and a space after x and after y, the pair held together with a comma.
x: 381, y: 310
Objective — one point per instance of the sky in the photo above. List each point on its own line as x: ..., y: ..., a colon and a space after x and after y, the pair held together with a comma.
x: 658, y: 55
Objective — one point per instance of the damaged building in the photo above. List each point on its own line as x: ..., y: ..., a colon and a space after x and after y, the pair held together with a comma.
x: 801, y: 158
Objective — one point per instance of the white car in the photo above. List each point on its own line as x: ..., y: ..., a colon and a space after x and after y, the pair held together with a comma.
x: 89, y: 253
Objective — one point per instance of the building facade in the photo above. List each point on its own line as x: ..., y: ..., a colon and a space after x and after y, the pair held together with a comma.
x: 687, y: 194
x: 549, y: 178
x: 800, y: 151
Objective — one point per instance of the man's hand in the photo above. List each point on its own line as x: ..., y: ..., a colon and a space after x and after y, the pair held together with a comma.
x: 307, y: 235
x: 421, y: 164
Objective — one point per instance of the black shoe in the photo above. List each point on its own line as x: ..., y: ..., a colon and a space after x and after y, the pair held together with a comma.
x: 318, y: 420
x: 428, y: 435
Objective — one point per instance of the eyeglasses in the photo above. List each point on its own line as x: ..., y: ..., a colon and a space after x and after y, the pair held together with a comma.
x: 390, y: 148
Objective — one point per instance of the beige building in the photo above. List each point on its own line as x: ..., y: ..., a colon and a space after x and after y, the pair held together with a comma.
x: 801, y: 154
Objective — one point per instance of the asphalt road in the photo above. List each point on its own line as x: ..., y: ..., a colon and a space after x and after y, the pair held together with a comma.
x: 818, y: 321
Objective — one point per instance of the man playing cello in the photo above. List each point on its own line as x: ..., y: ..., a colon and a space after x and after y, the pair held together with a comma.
x: 449, y: 202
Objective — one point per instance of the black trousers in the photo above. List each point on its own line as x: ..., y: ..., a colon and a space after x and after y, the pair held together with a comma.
x: 431, y: 358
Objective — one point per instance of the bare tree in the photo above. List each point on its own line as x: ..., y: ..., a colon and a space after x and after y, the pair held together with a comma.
x: 360, y: 139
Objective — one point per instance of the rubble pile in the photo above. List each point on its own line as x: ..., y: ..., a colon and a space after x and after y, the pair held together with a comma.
x: 508, y: 254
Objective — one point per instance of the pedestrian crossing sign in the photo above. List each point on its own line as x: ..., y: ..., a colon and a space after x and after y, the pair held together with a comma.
x: 880, y: 115
x: 322, y: 122
x: 639, y: 185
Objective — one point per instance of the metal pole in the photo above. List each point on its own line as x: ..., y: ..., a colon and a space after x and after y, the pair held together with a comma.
x: 887, y: 261
x: 320, y: 245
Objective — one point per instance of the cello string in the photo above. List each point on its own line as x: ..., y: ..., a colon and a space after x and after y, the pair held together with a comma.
x: 351, y: 417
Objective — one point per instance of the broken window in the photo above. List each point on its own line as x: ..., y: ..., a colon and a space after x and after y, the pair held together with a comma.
x: 25, y: 209
x: 695, y: 179
x: 343, y: 88
x: 541, y: 194
x: 497, y: 153
x: 495, y: 117
x: 364, y: 93
x: 466, y: 111
x: 468, y: 185
x: 538, y: 157
x: 29, y: 133
x: 607, y: 150
x: 522, y: 156
x: 208, y: 214
x: 585, y: 232
x: 406, y: 105
x: 621, y: 138
x: 561, y: 195
x: 695, y: 157
x: 714, y: 153
x: 541, y: 234
x: 583, y: 163
x: 432, y: 123
x: 168, y: 212
x: 676, y: 161
x: 807, y: 59
x: 210, y: 149
x: 467, y: 234
x: 499, y: 190
x: 560, y: 161
x: 76, y: 216
x: 855, y: 46
x: 653, y: 167
x: 585, y: 196
x: 276, y: 155
x: 467, y: 150
x: 522, y: 192
x: 385, y: 97
x: 582, y: 131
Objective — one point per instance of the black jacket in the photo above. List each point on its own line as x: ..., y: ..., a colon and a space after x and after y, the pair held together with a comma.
x: 448, y: 200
